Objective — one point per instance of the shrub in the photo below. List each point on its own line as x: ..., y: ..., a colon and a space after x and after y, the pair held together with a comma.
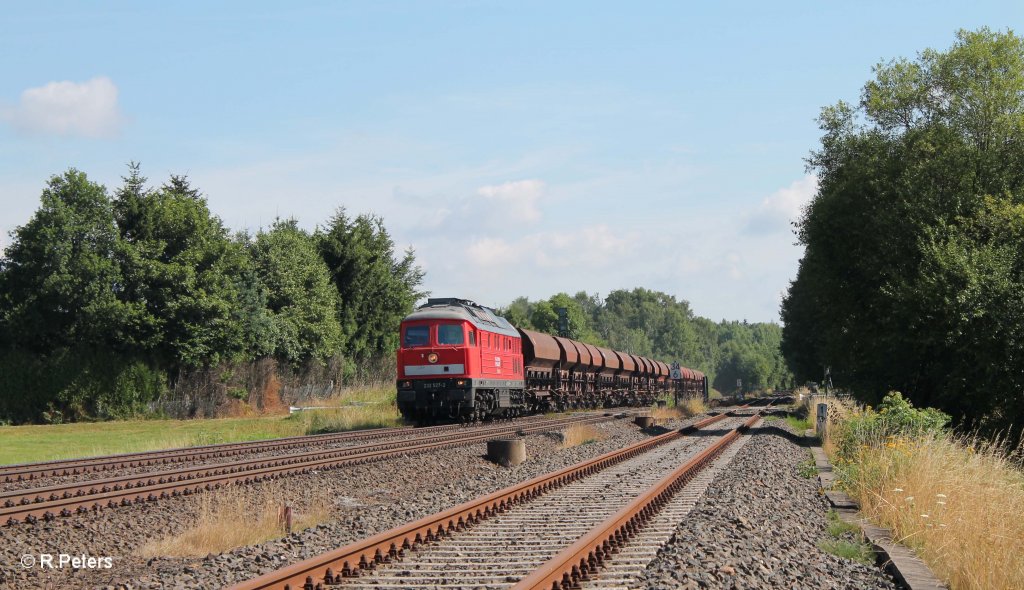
x: 75, y: 384
x: 895, y: 420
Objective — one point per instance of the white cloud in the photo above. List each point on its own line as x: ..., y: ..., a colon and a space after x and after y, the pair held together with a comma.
x: 595, y: 248
x: 490, y: 253
x: 777, y: 211
x: 88, y: 109
x: 514, y: 200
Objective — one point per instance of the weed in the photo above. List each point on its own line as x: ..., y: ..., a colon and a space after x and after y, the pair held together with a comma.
x: 692, y: 406
x: 838, y: 527
x: 799, y: 424
x: 855, y: 550
x: 684, y: 409
x: 807, y: 469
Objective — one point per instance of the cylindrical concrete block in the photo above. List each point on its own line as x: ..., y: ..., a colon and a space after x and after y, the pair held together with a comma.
x: 644, y: 421
x: 507, y: 451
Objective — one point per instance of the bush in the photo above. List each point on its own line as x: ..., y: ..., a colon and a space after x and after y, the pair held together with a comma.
x: 75, y: 385
x: 25, y: 387
x: 895, y: 420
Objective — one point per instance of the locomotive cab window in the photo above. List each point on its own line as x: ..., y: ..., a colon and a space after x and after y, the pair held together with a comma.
x: 416, y: 336
x: 472, y: 338
x: 449, y: 334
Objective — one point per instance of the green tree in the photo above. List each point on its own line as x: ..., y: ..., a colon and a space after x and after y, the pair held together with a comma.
x: 912, y: 270
x: 180, y: 266
x: 375, y: 290
x: 59, y: 281
x: 299, y: 295
x: 544, y: 317
x: 654, y: 321
x: 579, y: 322
x: 518, y: 313
x: 657, y: 325
x: 69, y: 347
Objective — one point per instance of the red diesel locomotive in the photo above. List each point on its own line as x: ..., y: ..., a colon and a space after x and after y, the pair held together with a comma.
x: 461, y: 361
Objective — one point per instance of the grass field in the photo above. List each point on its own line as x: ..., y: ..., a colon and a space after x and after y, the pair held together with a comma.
x: 365, y: 408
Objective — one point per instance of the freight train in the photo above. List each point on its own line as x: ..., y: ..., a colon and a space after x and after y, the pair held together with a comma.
x: 459, y: 361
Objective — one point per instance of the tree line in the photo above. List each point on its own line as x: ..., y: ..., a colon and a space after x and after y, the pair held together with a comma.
x: 109, y: 300
x: 913, y: 273
x: 659, y: 326
x: 106, y: 300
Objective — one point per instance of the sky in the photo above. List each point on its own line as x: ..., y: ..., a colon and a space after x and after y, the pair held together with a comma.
x: 520, y: 148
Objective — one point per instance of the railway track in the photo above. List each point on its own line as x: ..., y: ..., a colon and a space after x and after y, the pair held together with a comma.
x: 549, y: 532
x: 64, y: 467
x: 50, y: 502
x: 68, y: 467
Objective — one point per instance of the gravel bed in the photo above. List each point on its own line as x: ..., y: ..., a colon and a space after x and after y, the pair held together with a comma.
x: 758, y: 526
x: 365, y: 500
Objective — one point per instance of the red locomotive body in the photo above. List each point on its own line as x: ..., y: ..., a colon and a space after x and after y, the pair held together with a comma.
x: 459, y: 360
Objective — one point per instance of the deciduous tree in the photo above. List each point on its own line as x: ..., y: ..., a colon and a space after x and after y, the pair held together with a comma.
x: 299, y: 295
x: 912, y: 272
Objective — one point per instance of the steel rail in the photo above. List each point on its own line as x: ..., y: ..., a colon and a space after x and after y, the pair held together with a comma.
x: 62, y: 467
x: 69, y: 504
x: 584, y: 557
x: 12, y: 498
x: 383, y: 547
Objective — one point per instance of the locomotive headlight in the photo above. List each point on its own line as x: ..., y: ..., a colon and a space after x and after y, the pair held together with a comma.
x: 460, y: 382
x: 432, y: 357
x: 406, y: 384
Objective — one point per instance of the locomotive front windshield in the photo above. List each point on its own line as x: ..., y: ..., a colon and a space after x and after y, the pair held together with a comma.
x: 449, y: 334
x: 416, y: 336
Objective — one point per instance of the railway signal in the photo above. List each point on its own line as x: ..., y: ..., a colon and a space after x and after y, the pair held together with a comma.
x: 563, y: 322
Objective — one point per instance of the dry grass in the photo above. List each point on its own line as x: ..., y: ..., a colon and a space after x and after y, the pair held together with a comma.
x: 581, y: 434
x: 662, y: 415
x: 692, y: 407
x: 353, y: 409
x: 686, y: 408
x: 235, y: 517
x: 957, y: 502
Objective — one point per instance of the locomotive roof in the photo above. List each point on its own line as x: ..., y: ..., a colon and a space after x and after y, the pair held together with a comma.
x: 464, y: 310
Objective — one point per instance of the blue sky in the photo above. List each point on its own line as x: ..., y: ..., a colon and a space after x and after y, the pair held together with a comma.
x: 521, y: 148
